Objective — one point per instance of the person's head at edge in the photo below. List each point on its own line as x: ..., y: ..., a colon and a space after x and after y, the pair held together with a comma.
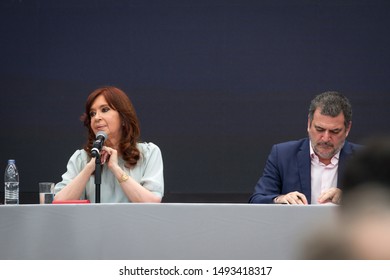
x: 362, y: 228
x: 110, y: 110
x: 365, y: 207
x: 329, y: 122
x: 371, y: 164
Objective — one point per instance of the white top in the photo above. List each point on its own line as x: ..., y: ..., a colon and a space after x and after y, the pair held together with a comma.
x: 148, y: 172
x: 323, y: 176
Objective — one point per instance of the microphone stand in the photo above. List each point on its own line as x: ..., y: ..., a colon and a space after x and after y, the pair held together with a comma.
x: 98, y: 178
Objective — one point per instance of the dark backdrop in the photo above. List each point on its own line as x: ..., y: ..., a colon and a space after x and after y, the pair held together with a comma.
x: 215, y: 82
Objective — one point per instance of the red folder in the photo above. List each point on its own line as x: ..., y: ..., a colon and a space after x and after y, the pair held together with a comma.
x: 73, y: 201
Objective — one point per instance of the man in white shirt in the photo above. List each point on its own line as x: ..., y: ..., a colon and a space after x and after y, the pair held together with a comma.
x: 306, y: 171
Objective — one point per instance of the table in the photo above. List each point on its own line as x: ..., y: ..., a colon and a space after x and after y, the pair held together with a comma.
x: 166, y: 231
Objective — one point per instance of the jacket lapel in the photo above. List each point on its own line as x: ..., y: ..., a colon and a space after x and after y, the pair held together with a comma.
x: 345, y: 152
x: 303, y: 158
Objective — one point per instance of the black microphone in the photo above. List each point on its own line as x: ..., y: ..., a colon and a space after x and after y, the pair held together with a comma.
x: 101, y: 136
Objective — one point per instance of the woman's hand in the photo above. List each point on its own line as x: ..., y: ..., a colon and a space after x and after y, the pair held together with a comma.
x: 110, y: 156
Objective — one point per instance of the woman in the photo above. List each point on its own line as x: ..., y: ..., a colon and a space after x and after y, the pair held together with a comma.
x: 131, y: 172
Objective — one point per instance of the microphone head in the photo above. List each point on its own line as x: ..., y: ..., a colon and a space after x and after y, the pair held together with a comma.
x: 103, y: 134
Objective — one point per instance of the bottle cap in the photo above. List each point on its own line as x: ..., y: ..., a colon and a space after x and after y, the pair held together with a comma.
x: 11, y: 161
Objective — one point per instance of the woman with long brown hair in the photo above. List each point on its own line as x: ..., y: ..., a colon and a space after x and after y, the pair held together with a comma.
x: 131, y: 172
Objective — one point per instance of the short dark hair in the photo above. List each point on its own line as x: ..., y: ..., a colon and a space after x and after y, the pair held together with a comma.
x: 331, y: 103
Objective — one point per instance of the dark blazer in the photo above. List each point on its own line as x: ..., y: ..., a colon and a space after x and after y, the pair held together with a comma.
x: 288, y: 169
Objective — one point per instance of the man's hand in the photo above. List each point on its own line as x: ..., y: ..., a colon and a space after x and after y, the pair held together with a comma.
x: 291, y: 198
x: 331, y: 195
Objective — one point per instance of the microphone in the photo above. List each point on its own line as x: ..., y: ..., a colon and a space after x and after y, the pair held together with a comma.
x: 101, y: 136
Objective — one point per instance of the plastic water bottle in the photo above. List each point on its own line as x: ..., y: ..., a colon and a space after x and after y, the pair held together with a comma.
x: 11, y: 181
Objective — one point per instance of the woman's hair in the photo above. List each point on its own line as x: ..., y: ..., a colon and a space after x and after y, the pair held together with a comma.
x: 120, y: 102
